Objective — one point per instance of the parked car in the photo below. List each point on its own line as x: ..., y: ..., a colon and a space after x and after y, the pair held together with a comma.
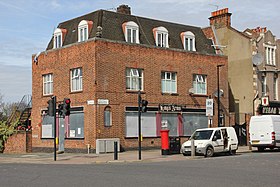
x: 265, y: 132
x: 208, y: 141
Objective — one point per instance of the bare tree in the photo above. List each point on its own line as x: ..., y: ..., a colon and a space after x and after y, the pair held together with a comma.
x: 1, y: 107
x: 6, y: 109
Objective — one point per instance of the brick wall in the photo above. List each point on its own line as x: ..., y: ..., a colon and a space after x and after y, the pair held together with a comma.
x: 103, y: 63
x: 19, y: 142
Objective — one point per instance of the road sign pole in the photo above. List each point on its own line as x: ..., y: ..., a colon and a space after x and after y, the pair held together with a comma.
x: 54, y: 122
x: 139, y: 124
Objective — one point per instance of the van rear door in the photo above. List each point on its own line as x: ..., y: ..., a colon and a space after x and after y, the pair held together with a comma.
x: 260, y: 131
x: 232, y: 138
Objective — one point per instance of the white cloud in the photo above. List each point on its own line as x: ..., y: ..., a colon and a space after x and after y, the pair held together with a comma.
x: 27, y: 25
x: 19, y: 50
x: 176, y: 1
x: 55, y: 4
x: 23, y: 9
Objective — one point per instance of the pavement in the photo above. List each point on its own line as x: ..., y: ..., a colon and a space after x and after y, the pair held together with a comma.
x: 104, y: 158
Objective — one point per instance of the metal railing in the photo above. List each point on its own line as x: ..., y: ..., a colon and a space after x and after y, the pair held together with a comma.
x: 26, y: 102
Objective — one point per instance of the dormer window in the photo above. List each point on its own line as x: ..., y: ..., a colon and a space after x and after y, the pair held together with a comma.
x: 83, y: 30
x: 131, y: 32
x: 188, y: 40
x: 161, y: 36
x: 57, y: 38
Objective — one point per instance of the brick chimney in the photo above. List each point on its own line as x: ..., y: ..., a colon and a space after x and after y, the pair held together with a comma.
x: 259, y: 30
x: 220, y: 18
x: 124, y: 9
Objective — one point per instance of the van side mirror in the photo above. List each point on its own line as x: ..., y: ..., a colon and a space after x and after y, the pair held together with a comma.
x: 214, y: 138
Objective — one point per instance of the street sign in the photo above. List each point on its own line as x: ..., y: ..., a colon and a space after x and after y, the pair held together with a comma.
x: 209, y: 107
x: 90, y: 102
x: 103, y: 101
x: 265, y: 101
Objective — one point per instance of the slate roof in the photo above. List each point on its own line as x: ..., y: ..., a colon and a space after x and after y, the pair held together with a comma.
x: 111, y: 23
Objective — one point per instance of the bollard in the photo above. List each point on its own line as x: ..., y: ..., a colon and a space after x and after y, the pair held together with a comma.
x: 115, y: 150
x: 192, y: 148
x: 88, y: 148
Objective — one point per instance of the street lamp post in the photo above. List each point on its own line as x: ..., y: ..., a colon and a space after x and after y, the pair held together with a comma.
x: 218, y: 92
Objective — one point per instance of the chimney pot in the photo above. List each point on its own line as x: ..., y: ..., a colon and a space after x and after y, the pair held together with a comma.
x: 220, y: 18
x: 124, y: 9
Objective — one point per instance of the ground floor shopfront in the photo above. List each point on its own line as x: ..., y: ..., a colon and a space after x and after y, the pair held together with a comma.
x: 180, y: 122
x: 86, y: 124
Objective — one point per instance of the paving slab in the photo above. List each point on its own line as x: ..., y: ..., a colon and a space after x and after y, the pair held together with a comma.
x: 106, y: 158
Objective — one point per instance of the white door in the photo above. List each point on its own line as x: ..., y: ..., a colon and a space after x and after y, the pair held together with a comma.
x: 219, y: 142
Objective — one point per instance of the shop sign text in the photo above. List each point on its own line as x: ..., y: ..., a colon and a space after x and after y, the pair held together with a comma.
x: 271, y: 110
x: 170, y: 108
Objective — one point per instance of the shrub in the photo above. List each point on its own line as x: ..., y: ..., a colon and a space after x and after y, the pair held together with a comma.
x: 5, y: 132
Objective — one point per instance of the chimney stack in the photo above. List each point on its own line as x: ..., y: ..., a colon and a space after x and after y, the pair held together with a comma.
x: 259, y: 30
x: 220, y: 18
x: 124, y: 9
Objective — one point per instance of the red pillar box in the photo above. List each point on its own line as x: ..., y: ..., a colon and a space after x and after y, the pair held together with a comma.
x: 164, y: 141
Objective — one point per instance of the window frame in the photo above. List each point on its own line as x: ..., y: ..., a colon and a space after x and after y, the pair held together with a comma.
x: 161, y: 37
x: 48, y: 83
x: 193, y: 121
x: 78, y: 78
x: 83, y: 31
x: 137, y: 79
x: 188, y: 41
x: 107, y: 111
x: 199, y: 80
x: 129, y: 37
x: 81, y: 125
x: 168, y: 82
x: 149, y: 127
x: 275, y: 87
x: 263, y: 85
x: 57, y: 38
x: 270, y: 55
x: 47, y: 128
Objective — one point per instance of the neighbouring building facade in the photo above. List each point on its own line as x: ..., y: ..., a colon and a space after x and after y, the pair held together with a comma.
x: 265, y: 51
x: 237, y: 46
x: 101, y: 60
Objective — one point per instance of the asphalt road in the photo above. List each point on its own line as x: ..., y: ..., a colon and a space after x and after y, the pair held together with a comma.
x: 250, y: 169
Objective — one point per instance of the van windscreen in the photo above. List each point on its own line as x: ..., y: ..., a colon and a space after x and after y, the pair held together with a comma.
x: 202, y: 135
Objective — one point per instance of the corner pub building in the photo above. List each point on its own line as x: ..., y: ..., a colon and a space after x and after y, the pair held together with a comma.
x: 100, y: 60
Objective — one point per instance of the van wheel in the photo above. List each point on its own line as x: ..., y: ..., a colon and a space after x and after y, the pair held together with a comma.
x: 209, y: 152
x: 260, y: 149
x: 231, y: 152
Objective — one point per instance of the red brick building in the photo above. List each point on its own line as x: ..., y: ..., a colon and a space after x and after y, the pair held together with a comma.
x: 101, y: 60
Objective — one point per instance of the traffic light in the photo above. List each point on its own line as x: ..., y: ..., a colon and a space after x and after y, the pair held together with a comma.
x: 60, y: 109
x: 144, y: 105
x: 66, y: 107
x: 50, y: 111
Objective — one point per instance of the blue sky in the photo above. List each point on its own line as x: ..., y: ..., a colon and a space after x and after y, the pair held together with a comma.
x: 26, y: 26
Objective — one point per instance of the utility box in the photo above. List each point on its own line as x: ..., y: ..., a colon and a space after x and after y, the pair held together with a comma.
x: 106, y: 145
x: 174, y: 145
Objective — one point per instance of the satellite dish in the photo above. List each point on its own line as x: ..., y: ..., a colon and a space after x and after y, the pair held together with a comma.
x: 191, y: 90
x: 221, y: 94
x: 257, y: 59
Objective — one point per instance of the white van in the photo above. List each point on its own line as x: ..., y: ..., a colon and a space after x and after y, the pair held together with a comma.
x: 208, y: 141
x: 265, y: 131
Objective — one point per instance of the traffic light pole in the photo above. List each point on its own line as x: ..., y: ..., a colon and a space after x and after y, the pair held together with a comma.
x: 54, y: 139
x: 139, y: 123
